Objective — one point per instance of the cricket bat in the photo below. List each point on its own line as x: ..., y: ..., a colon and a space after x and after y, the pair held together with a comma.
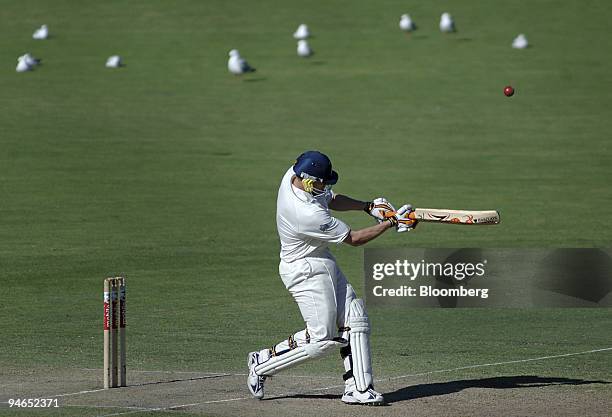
x: 454, y: 216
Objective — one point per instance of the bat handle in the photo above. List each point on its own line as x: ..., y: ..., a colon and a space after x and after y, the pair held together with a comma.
x: 411, y: 216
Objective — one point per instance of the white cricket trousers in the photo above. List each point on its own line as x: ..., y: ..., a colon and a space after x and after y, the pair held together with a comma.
x: 323, y: 296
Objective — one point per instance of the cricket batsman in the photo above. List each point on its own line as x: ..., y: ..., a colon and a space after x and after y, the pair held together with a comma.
x: 334, y: 316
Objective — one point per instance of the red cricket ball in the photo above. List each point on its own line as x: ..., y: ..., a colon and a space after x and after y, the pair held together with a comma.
x: 509, y: 91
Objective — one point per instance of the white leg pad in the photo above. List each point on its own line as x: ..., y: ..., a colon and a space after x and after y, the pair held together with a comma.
x: 360, y: 344
x: 296, y: 356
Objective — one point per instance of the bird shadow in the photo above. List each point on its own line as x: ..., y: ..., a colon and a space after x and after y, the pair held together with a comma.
x: 219, y: 153
x: 445, y: 388
x: 254, y: 80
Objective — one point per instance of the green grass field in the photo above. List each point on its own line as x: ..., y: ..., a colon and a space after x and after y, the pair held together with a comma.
x: 166, y: 170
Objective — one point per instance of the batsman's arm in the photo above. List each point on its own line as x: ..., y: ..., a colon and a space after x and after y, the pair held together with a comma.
x: 363, y: 236
x: 344, y: 203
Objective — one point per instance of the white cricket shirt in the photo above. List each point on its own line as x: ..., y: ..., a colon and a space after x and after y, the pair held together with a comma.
x: 304, y: 224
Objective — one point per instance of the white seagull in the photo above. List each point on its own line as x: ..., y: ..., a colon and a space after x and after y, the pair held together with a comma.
x: 302, y: 32
x: 236, y: 64
x: 303, y: 49
x: 41, y: 33
x: 22, y: 65
x: 447, y: 24
x: 114, y: 61
x: 520, y: 42
x: 29, y: 60
x: 406, y: 24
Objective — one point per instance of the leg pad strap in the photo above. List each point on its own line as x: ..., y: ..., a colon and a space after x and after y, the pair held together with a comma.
x: 293, y: 357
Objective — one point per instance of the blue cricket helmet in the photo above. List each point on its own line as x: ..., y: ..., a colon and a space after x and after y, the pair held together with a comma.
x: 316, y: 166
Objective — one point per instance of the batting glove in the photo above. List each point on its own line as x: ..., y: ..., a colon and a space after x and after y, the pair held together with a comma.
x: 380, y: 209
x: 401, y: 219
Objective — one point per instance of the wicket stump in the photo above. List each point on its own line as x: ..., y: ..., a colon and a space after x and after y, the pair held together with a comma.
x: 114, y: 333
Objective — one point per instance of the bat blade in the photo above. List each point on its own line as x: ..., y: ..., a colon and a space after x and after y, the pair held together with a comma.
x: 456, y: 216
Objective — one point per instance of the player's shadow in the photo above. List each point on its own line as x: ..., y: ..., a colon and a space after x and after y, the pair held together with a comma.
x: 305, y: 396
x: 444, y: 388
x: 501, y: 382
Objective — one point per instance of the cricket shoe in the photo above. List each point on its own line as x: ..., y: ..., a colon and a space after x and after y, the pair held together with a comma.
x: 254, y: 381
x: 367, y: 397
